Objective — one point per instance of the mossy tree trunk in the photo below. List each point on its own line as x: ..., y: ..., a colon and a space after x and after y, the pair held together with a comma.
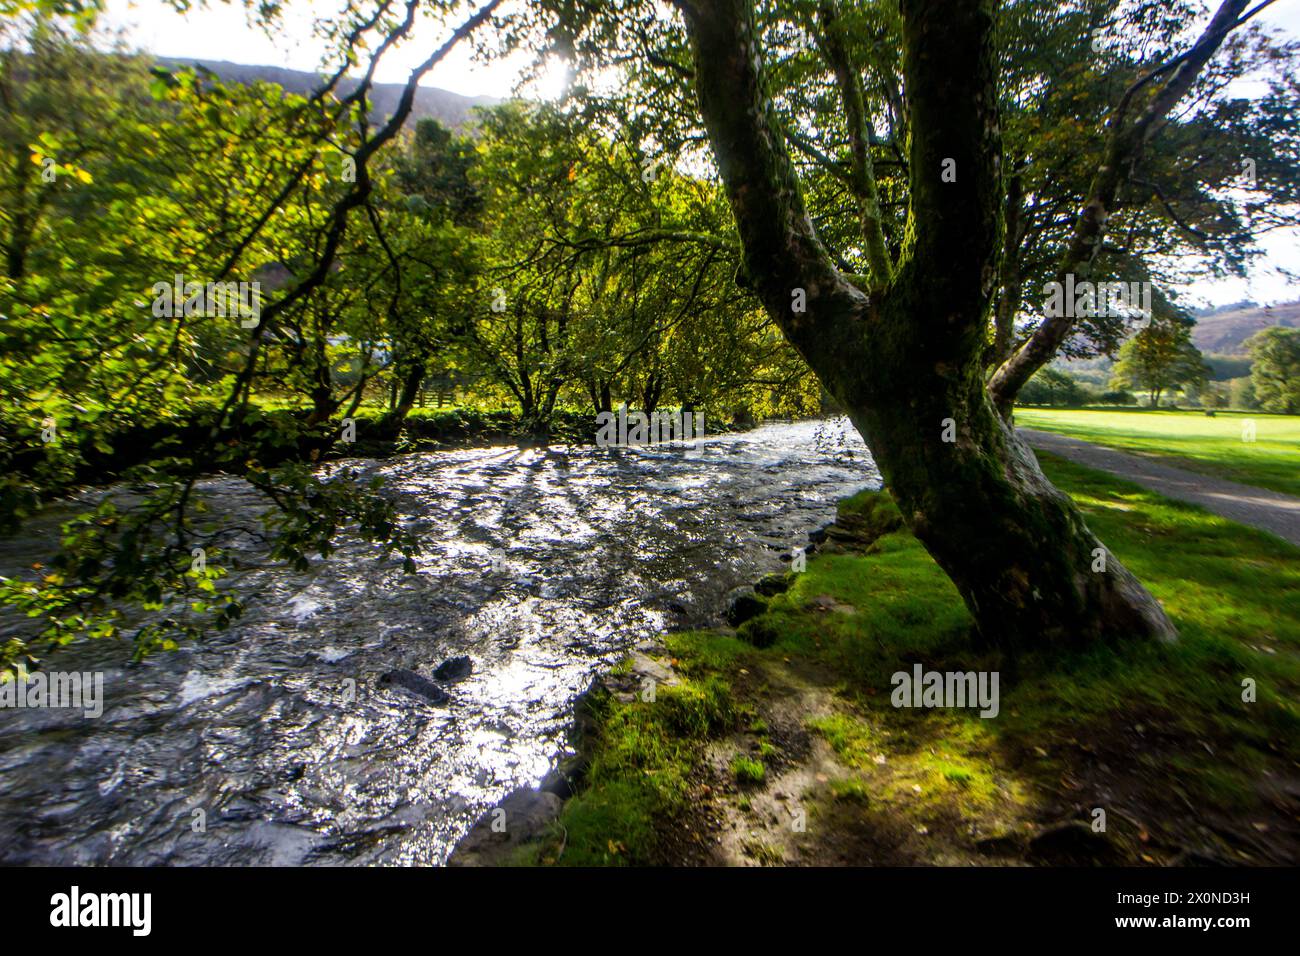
x: 906, y: 359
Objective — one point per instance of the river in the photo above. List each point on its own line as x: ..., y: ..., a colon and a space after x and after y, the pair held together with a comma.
x: 271, y: 743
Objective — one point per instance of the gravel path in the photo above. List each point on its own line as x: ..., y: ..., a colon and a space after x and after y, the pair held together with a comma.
x: 1270, y: 511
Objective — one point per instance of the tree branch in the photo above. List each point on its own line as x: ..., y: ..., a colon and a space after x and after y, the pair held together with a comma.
x: 863, y: 179
x: 1123, y: 150
x: 787, y: 265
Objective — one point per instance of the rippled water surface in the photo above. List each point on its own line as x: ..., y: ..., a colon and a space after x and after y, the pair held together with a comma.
x: 542, y: 565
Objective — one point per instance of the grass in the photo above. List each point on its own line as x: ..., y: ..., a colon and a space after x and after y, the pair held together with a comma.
x: 1191, y: 440
x: 644, y: 758
x: 764, y: 853
x: 1160, y: 735
x: 748, y: 770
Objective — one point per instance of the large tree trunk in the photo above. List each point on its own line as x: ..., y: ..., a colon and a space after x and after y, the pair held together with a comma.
x: 906, y: 363
x: 1019, y: 552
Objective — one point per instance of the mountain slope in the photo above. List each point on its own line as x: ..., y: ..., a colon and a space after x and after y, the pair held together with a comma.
x: 450, y: 109
x: 1225, y: 333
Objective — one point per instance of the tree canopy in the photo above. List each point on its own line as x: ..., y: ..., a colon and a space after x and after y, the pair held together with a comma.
x: 753, y: 209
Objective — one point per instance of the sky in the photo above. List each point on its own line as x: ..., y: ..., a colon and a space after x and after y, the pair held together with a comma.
x: 221, y: 31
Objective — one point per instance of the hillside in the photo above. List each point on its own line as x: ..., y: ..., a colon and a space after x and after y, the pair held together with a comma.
x: 1225, y: 332
x: 450, y: 109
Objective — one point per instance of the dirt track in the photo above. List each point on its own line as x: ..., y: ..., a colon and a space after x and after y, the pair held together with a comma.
x: 1269, y: 511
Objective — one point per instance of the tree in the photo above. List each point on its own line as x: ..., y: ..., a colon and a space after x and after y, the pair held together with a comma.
x: 436, y: 168
x: 215, y: 183
x: 1160, y: 179
x: 903, y: 351
x: 1275, y: 373
x: 902, y: 343
x: 1160, y: 357
x: 610, y: 276
x: 1117, y: 397
x: 1213, y: 395
x: 1051, y: 386
x: 1179, y: 210
x: 1241, y: 393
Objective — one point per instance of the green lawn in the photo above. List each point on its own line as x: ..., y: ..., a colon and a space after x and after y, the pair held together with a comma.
x: 1192, y: 440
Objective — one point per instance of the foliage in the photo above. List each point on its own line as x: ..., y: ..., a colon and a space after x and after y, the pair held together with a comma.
x: 1052, y: 386
x: 1275, y: 372
x: 1158, y: 358
x: 1117, y: 397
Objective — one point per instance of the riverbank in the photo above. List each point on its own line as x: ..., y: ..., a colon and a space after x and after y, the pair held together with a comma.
x: 96, y: 453
x: 776, y: 742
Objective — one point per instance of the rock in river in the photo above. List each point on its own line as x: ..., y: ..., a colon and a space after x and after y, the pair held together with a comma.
x: 454, y: 669
x: 420, y: 686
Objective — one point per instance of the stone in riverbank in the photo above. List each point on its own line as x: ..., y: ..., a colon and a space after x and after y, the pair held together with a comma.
x: 771, y: 585
x: 499, y: 834
x: 454, y: 669
x: 742, y: 605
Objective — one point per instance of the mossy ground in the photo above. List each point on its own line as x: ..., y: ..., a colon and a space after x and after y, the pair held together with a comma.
x: 793, y: 753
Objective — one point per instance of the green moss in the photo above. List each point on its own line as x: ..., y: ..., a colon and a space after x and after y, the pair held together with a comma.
x: 643, y: 757
x: 612, y: 824
x: 761, y: 631
x: 870, y: 514
x: 696, y: 708
x: 700, y: 653
x: 850, y: 737
x: 852, y: 789
x: 922, y: 763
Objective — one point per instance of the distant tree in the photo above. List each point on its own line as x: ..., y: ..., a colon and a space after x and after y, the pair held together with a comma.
x: 1275, y: 374
x: 1160, y: 357
x: 1117, y: 397
x: 1051, y: 386
x: 1212, y: 395
x: 1241, y: 393
x: 435, y: 172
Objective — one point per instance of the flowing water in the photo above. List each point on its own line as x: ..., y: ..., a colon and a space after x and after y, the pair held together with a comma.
x: 272, y: 743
